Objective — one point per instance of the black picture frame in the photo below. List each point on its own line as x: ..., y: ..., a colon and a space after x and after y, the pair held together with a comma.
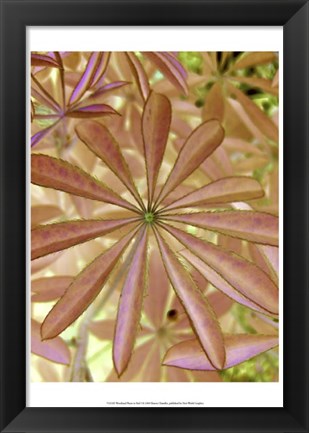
x: 15, y: 16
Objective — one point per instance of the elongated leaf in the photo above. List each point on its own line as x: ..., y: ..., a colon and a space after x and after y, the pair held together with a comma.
x: 87, y: 77
x: 41, y: 94
x: 243, y: 275
x: 91, y: 111
x: 101, y: 142
x: 43, y: 60
x: 43, y: 213
x: 58, y: 174
x: 226, y: 190
x: 100, y: 68
x: 50, y: 238
x: 155, y: 128
x: 130, y: 306
x: 198, y: 309
x: 55, y: 350
x: 170, y: 68
x: 198, y: 146
x: 259, y: 83
x: 254, y: 59
x: 139, y: 74
x: 258, y: 117
x: 239, y: 348
x: 259, y: 227
x: 220, y: 282
x: 214, y: 104
x: 108, y: 88
x: 36, y: 138
x: 49, y: 288
x: 84, y: 289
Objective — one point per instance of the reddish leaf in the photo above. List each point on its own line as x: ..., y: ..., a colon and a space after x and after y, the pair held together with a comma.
x: 170, y: 68
x: 239, y: 348
x: 58, y: 174
x: 101, y: 142
x: 241, y: 274
x: 259, y: 227
x: 130, y: 306
x: 43, y: 213
x: 259, y: 83
x: 55, y: 237
x: 198, y: 146
x: 201, y: 315
x: 55, y: 350
x: 100, y: 68
x: 155, y: 127
x: 91, y: 111
x: 254, y: 59
x: 214, y: 104
x: 43, y: 60
x: 49, y: 288
x: 139, y: 74
x: 224, y: 190
x: 84, y: 289
x: 102, y: 329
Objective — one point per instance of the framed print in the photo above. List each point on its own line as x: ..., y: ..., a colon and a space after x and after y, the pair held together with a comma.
x: 154, y: 222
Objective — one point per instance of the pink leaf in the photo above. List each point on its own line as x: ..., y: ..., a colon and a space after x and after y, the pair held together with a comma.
x: 226, y: 190
x: 101, y: 142
x: 198, y: 146
x: 214, y: 104
x: 55, y: 237
x: 49, y: 288
x: 239, y: 348
x: 91, y: 111
x: 155, y: 127
x: 84, y: 289
x: 244, y: 276
x: 55, y: 350
x: 130, y: 306
x: 259, y: 227
x: 139, y: 74
x: 201, y: 314
x: 58, y: 174
x: 102, y: 329
x: 43, y: 60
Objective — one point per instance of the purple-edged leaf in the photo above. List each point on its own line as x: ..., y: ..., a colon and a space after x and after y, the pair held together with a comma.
x: 41, y: 94
x: 50, y: 238
x: 155, y: 128
x: 198, y: 146
x: 198, y: 309
x: 100, y: 68
x: 108, y: 88
x: 244, y: 276
x: 91, y: 111
x: 101, y: 142
x: 55, y: 350
x: 139, y: 74
x: 87, y: 77
x: 58, y: 174
x: 171, y: 68
x: 226, y: 190
x: 43, y: 213
x: 130, y: 306
x: 49, y: 288
x: 43, y: 60
x: 36, y: 138
x: 259, y: 227
x: 84, y: 289
x: 220, y: 282
x: 239, y: 348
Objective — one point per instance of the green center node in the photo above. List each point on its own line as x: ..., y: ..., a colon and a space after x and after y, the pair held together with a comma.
x: 149, y: 217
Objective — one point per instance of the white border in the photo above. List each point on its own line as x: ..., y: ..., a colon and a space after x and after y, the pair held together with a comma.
x: 157, y: 39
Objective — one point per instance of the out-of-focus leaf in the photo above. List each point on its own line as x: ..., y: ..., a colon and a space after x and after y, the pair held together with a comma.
x: 224, y: 190
x: 43, y: 133
x: 43, y: 213
x: 130, y: 305
x: 102, y: 329
x: 55, y: 350
x: 254, y: 59
x: 201, y: 314
x: 219, y: 303
x: 155, y: 128
x: 43, y: 60
x: 275, y: 82
x: 259, y: 227
x: 170, y: 68
x: 101, y: 142
x: 91, y: 111
x: 198, y: 146
x: 214, y: 104
x: 259, y: 83
x: 239, y: 348
x: 50, y: 238
x: 49, y: 288
x: 139, y: 74
x: 84, y: 289
x: 241, y: 274
x: 58, y: 174
x: 41, y: 94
